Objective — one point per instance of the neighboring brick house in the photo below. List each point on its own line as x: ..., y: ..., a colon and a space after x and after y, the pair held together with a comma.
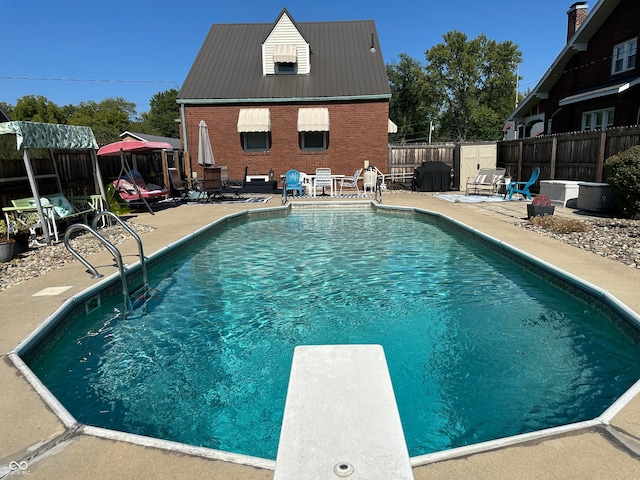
x: 595, y: 81
x: 288, y: 95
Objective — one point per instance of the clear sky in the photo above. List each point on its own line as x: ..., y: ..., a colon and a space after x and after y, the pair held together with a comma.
x: 72, y: 51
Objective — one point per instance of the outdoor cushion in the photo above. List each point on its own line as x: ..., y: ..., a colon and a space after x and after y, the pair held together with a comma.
x: 61, y: 206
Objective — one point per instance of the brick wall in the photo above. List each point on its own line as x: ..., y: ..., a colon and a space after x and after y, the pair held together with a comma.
x: 358, y: 132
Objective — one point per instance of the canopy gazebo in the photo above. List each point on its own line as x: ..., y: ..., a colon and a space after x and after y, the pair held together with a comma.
x: 31, y: 135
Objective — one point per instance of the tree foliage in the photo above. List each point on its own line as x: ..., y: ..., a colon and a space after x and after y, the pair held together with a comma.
x: 107, y: 118
x: 162, y: 115
x: 476, y: 81
x: 37, y: 109
x: 467, y: 88
x: 411, y: 106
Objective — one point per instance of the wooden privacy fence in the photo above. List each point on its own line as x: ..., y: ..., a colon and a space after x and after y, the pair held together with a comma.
x: 75, y: 171
x: 403, y: 159
x: 576, y: 156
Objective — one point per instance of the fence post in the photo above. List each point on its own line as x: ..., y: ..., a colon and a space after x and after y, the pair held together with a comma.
x: 601, y: 150
x: 554, y: 152
x: 520, y: 149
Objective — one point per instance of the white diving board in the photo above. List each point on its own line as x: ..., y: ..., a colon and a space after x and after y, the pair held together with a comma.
x: 340, y: 418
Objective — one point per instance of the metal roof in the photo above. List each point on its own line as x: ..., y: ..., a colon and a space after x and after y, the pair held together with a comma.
x: 344, y: 65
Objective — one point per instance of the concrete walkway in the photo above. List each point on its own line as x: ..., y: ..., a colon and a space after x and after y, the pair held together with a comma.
x: 33, y: 438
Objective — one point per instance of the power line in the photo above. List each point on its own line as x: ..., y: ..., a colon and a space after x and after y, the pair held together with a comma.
x: 88, y: 80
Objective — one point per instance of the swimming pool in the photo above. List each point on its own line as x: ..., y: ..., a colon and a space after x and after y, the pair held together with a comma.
x: 368, y: 287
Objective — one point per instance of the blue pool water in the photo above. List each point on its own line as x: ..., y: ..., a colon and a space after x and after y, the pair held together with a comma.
x: 478, y: 348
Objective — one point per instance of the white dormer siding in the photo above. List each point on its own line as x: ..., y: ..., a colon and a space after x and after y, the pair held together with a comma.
x: 285, y: 33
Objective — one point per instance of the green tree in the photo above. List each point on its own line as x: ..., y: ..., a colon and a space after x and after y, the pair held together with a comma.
x: 33, y: 108
x: 162, y: 115
x: 475, y: 80
x: 412, y: 103
x: 108, y: 119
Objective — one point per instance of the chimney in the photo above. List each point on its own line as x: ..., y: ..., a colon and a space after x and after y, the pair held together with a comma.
x: 577, y: 14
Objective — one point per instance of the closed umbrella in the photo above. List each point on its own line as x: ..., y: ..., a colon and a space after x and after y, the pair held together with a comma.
x: 205, y: 153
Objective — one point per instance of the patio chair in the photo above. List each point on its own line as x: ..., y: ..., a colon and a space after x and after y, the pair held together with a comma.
x: 292, y: 182
x: 523, y: 187
x: 212, y: 182
x: 236, y: 186
x: 351, y: 182
x: 179, y: 188
x: 322, y: 179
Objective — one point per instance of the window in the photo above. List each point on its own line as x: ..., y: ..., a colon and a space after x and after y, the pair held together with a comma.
x: 597, y: 119
x: 313, y: 140
x: 255, y: 141
x: 286, y: 68
x: 624, y: 56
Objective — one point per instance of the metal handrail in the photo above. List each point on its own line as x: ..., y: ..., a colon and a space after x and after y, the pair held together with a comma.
x: 113, y: 250
x: 113, y: 216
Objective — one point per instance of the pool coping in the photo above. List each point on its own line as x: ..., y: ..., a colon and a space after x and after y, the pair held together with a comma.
x: 70, y: 422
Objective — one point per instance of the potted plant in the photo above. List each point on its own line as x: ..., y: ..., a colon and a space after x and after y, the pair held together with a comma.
x: 541, y: 205
x: 6, y: 243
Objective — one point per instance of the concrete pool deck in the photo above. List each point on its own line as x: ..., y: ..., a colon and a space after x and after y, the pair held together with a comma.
x: 33, y: 440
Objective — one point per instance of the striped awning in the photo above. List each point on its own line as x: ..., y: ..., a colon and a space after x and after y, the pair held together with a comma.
x: 391, y: 127
x: 313, y: 120
x: 254, y: 120
x: 285, y: 54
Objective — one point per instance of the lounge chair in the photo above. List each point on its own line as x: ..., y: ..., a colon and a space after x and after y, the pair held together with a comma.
x: 322, y: 179
x: 351, y: 182
x: 523, y: 187
x: 292, y: 183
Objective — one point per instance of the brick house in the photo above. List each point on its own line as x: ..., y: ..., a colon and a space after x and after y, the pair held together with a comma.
x: 288, y: 95
x: 594, y: 83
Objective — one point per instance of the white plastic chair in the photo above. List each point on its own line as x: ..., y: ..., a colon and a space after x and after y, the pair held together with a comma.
x: 351, y: 182
x: 322, y: 179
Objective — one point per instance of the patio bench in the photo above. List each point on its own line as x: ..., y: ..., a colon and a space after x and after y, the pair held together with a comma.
x: 57, y: 208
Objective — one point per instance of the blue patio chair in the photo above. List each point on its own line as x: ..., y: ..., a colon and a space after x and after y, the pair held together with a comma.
x: 523, y: 187
x: 292, y: 182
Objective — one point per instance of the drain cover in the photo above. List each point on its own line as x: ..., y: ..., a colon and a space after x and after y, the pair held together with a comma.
x: 343, y: 469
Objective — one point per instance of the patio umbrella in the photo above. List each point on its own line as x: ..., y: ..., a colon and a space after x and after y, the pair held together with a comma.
x: 205, y: 153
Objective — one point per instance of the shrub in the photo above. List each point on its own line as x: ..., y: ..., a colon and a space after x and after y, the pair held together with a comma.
x: 623, y: 174
x: 558, y: 224
x: 542, y: 201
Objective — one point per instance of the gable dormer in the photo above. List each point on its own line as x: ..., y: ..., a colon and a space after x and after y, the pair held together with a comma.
x: 285, y: 51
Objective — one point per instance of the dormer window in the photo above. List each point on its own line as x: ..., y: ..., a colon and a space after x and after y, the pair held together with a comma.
x: 285, y: 68
x: 624, y: 56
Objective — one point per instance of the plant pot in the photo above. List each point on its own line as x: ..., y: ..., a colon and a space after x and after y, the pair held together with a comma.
x: 535, y: 210
x: 6, y: 251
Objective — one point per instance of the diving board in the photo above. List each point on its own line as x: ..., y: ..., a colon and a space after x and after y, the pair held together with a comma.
x: 340, y: 418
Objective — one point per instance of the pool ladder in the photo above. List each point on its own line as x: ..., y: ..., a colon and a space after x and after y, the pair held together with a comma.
x: 139, y: 294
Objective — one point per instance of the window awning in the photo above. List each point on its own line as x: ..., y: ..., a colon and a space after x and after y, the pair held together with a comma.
x: 285, y: 54
x: 254, y: 120
x: 599, y: 92
x: 392, y: 127
x: 313, y: 120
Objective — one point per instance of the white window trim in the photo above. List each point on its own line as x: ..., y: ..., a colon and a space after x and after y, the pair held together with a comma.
x: 625, y: 52
x: 589, y: 119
